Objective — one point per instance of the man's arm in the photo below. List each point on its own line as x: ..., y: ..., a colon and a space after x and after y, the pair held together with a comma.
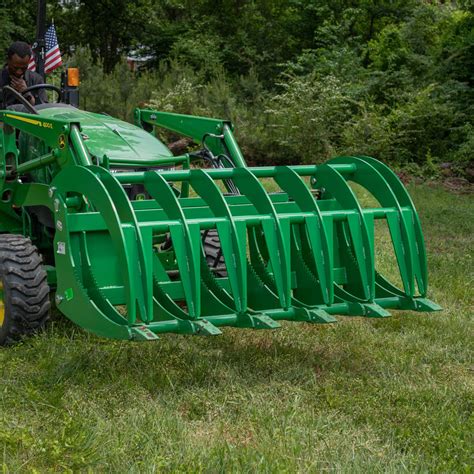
x: 41, y: 94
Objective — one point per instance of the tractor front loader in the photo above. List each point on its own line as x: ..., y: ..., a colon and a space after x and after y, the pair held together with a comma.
x: 136, y: 242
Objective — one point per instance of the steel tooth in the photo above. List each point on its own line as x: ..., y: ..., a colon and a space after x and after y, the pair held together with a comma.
x: 184, y: 243
x: 142, y: 333
x: 256, y: 321
x: 259, y: 264
x: 274, y: 231
x: 405, y: 200
x: 424, y: 304
x: 217, y: 300
x: 316, y: 236
x: 335, y: 183
x: 313, y: 315
x: 261, y: 296
x: 375, y: 311
x: 300, y: 257
x: 203, y: 327
x: 255, y: 274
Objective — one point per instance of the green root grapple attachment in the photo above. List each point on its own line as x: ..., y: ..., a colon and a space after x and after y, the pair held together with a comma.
x: 139, y: 242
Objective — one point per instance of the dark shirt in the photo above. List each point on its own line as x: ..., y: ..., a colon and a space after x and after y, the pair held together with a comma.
x: 31, y: 79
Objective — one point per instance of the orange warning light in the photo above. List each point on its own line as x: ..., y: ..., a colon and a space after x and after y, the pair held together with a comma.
x: 73, y: 77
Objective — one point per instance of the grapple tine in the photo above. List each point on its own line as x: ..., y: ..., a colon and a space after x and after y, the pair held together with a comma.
x: 405, y: 200
x: 403, y: 257
x: 411, y: 242
x: 250, y: 186
x: 365, y: 270
x: 399, y: 220
x: 334, y: 183
x: 181, y: 236
x: 142, y: 294
x: 233, y: 243
x: 236, y: 276
x: 282, y: 286
x: 294, y: 186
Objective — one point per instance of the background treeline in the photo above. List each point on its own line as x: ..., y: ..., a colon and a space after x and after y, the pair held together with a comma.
x: 301, y: 79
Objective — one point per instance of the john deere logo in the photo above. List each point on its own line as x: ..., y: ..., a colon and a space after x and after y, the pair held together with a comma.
x: 62, y: 141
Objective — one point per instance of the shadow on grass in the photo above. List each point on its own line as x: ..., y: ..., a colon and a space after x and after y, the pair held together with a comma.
x: 297, y: 354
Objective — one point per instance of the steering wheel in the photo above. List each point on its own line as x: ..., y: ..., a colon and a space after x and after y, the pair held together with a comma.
x: 43, y: 86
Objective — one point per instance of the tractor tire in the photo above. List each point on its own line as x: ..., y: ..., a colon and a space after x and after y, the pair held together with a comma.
x: 24, y: 289
x: 213, y: 252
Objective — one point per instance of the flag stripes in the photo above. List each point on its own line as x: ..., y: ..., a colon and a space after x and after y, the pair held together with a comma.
x: 53, y: 58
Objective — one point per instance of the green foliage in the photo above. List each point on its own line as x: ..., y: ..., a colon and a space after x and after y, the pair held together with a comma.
x: 308, y: 117
x: 300, y: 80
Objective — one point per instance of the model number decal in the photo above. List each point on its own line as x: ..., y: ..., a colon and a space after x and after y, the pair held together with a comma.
x: 38, y: 123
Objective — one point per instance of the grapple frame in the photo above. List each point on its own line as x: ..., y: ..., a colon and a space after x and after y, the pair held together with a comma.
x: 134, y: 268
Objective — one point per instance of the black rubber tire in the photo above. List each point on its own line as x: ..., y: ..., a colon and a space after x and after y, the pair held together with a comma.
x: 26, y: 302
x: 213, y: 251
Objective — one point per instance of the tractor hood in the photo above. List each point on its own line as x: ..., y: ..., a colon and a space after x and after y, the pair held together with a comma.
x: 106, y: 135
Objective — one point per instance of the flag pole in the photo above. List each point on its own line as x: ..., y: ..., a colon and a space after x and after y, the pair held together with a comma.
x: 39, y: 46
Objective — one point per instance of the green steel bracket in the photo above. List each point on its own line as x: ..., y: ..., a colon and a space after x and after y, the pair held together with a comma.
x: 205, y: 328
x: 256, y: 321
x: 142, y: 333
x: 313, y: 316
x: 424, y: 304
x: 417, y: 304
x: 375, y: 311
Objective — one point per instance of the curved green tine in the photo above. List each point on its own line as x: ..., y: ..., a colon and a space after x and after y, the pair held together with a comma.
x: 232, y: 245
x: 89, y: 282
x: 263, y: 292
x: 215, y: 299
x: 134, y: 242
x: 75, y: 302
x: 276, y: 231
x: 334, y: 182
x: 166, y: 310
x: 187, y: 255
x: 303, y: 261
x: 164, y: 306
x: 421, y: 267
x: 294, y: 186
x: 368, y: 177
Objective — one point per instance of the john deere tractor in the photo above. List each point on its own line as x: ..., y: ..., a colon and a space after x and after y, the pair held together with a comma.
x: 135, y: 242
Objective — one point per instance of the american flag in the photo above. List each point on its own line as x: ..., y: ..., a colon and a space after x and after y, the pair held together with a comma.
x: 32, y: 63
x: 52, y: 59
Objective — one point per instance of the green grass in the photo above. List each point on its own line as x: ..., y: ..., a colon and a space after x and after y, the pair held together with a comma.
x: 360, y: 396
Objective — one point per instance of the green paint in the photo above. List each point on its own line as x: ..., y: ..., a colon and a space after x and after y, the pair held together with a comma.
x: 288, y: 255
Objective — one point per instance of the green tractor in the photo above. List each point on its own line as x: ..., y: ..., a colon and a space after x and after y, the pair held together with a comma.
x: 135, y: 242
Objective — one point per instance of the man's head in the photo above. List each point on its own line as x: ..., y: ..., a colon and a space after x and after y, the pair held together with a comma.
x: 18, y: 57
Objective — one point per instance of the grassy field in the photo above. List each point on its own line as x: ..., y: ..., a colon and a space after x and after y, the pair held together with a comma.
x: 358, y: 396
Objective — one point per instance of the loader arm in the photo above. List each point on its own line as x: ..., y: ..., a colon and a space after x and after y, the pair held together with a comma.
x: 215, y: 133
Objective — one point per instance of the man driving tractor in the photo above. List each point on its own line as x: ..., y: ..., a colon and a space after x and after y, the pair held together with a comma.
x: 17, y: 75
